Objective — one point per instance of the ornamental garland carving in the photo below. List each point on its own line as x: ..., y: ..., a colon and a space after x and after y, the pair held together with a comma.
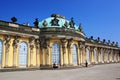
x: 44, y: 42
x: 41, y: 43
x: 32, y: 41
x: 7, y: 41
x: 69, y: 43
x: 47, y: 43
x: 63, y: 42
x: 16, y: 41
x: 37, y: 43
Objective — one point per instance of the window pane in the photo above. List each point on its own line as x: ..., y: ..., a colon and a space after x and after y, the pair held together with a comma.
x: 74, y: 54
x: 95, y: 55
x: 23, y: 53
x: 88, y: 55
x: 56, y: 53
x: 1, y: 51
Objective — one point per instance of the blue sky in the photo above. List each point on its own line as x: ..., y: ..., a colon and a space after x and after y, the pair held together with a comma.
x: 100, y: 18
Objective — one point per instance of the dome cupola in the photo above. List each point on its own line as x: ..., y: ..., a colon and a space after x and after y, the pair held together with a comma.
x: 58, y: 21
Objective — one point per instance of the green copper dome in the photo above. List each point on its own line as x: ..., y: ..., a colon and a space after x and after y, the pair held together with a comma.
x: 57, y: 21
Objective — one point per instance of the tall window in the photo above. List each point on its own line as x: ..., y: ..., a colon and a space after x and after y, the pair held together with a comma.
x: 74, y: 54
x: 107, y: 56
x: 102, y: 56
x: 1, y: 49
x: 56, y: 53
x: 88, y: 55
x: 95, y: 55
x: 23, y: 51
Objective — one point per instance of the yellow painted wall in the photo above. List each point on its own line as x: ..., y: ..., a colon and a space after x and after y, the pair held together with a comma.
x: 42, y: 58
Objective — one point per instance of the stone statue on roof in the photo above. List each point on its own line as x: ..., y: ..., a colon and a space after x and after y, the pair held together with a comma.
x: 54, y: 22
x: 36, y: 22
x: 80, y: 27
x: 72, y: 23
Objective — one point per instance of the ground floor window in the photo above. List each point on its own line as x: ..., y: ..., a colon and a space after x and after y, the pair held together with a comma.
x: 102, y: 58
x: 1, y: 51
x: 56, y: 53
x: 95, y: 55
x: 23, y: 52
x: 88, y: 55
x: 74, y: 54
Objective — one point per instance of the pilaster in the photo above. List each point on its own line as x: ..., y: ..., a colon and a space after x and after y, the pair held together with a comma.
x: 69, y: 51
x: 7, y: 48
x: 32, y: 42
x: 64, y: 50
x: 15, y: 49
x: 37, y: 52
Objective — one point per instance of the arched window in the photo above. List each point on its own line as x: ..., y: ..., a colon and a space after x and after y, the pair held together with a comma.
x: 107, y: 57
x: 23, y: 51
x: 74, y: 54
x: 102, y: 58
x: 56, y: 53
x: 95, y: 56
x: 88, y: 55
x: 1, y: 51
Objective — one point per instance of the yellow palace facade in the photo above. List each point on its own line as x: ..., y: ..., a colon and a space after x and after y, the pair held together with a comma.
x: 55, y: 40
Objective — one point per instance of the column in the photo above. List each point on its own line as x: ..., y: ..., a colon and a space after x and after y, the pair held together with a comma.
x: 104, y: 55
x: 99, y: 55
x: 15, y: 47
x: 114, y: 56
x: 37, y: 52
x: 7, y: 46
x: 92, y: 54
x: 42, y: 51
x: 109, y: 56
x: 47, y: 43
x: 81, y: 53
x: 69, y: 51
x: 64, y: 50
x: 112, y: 52
x: 32, y: 42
